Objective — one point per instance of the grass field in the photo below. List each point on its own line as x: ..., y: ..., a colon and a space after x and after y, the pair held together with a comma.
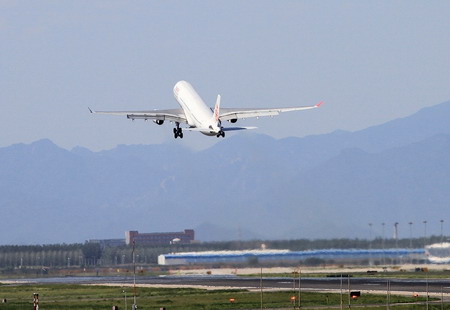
x: 84, y: 297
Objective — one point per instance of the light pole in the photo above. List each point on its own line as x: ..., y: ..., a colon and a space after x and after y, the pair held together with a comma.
x: 294, y: 273
x: 410, y: 234
x: 125, y: 292
x: 134, y: 307
x: 410, y: 240
x: 299, y: 288
x: 382, y: 242
x: 342, y: 299
x: 396, y: 234
x: 370, y: 243
x: 261, y: 287
x: 396, y: 238
x: 442, y: 231
x: 424, y: 233
x: 388, y: 295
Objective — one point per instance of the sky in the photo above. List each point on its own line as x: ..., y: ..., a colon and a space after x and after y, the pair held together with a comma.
x: 369, y: 61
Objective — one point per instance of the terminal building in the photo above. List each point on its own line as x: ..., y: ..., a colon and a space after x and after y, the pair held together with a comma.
x: 438, y: 253
x: 336, y: 255
x: 184, y: 237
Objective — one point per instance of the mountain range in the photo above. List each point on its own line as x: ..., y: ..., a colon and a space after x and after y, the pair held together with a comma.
x: 247, y: 186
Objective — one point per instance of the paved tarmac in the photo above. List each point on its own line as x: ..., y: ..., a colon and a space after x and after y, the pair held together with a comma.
x: 318, y: 284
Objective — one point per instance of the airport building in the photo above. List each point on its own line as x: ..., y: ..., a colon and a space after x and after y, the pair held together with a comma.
x: 185, y: 237
x: 438, y: 253
x: 265, y: 256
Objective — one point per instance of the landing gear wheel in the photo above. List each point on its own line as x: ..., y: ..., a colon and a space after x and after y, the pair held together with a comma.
x: 178, y: 132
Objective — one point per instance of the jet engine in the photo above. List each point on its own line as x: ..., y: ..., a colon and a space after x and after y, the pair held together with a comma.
x: 233, y: 120
x: 159, y: 121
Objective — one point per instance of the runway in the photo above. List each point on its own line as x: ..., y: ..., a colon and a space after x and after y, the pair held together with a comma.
x: 312, y: 284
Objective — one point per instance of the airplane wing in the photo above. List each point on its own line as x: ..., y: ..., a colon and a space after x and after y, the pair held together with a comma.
x: 234, y: 114
x: 174, y: 115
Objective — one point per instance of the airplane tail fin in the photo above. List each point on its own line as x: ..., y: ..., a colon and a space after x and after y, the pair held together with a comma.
x: 217, y: 109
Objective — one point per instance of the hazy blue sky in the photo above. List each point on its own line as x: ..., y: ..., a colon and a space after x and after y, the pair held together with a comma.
x: 370, y: 61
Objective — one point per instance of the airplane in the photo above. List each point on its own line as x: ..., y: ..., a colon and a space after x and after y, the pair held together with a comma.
x: 198, y: 116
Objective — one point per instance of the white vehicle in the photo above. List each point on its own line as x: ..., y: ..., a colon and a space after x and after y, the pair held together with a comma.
x: 198, y: 116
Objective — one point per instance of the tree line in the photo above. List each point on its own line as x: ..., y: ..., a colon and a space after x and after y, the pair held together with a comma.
x: 93, y: 254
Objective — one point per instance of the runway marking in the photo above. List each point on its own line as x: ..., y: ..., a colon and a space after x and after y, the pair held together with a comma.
x: 287, y: 282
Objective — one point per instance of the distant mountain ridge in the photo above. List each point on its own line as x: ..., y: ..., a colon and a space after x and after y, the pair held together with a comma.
x: 246, y: 186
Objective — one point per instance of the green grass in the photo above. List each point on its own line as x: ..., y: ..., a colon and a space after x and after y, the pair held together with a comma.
x: 83, y: 297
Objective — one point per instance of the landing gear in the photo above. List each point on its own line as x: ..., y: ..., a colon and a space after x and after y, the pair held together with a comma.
x: 221, y: 134
x: 178, y: 132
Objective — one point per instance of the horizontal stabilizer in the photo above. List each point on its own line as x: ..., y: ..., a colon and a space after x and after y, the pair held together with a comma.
x: 237, y: 128
x: 223, y: 128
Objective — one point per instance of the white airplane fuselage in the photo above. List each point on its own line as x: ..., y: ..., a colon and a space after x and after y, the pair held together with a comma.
x: 198, y: 114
